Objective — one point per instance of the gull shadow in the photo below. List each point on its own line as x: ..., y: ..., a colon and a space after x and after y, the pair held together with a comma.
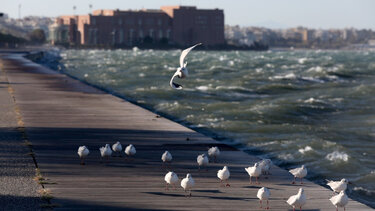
x: 167, y: 194
x: 306, y: 209
x: 252, y: 187
x: 208, y: 191
x: 229, y: 198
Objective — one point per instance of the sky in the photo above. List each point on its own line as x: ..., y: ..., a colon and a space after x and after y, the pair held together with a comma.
x: 322, y: 14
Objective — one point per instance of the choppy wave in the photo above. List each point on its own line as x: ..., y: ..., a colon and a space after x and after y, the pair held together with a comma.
x: 295, y: 107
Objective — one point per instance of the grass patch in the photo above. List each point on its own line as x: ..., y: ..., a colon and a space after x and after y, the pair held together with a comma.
x: 45, y: 194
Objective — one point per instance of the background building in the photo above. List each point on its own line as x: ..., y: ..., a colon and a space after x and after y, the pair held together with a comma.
x: 178, y: 25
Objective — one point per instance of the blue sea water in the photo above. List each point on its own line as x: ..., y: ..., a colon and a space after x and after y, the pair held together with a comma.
x: 312, y: 107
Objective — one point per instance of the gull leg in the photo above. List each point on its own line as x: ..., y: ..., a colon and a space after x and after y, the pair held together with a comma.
x: 250, y: 181
x: 301, y: 181
x: 174, y: 187
x: 257, y: 182
x: 228, y: 185
x: 294, y: 181
x: 300, y: 208
x: 166, y: 186
x: 267, y: 205
x: 189, y: 192
x: 260, y: 202
x: 294, y: 209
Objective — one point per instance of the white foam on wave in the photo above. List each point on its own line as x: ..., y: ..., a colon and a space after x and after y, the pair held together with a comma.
x: 337, y: 156
x: 141, y: 75
x: 270, y: 65
x: 306, y: 149
x: 302, y: 60
x: 313, y: 100
x: 258, y: 70
x: 287, y: 76
x: 202, y: 88
x: 366, y: 191
x: 312, y: 79
x: 285, y: 156
x: 317, y: 69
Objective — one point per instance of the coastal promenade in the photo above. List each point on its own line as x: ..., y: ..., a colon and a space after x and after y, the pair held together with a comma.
x: 59, y: 114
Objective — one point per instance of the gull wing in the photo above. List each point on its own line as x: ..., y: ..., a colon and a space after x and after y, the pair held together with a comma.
x: 175, y: 85
x: 185, y: 53
x: 294, y: 171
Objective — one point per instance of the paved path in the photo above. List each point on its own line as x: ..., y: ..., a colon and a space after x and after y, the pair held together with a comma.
x: 61, y: 113
x: 17, y: 189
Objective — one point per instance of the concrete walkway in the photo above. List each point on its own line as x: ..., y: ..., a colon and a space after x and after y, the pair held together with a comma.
x: 61, y: 113
x: 17, y: 189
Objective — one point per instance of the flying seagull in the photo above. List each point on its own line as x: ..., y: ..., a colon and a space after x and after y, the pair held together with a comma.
x: 182, y: 71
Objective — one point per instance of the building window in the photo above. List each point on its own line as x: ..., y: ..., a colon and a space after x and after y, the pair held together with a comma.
x: 129, y: 21
x: 150, y: 21
x: 160, y: 34
x: 130, y: 37
x: 200, y: 19
x: 151, y: 33
x: 113, y: 34
x: 168, y: 33
x: 121, y: 36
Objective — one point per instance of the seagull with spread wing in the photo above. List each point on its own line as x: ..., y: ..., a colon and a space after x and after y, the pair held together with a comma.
x: 182, y: 71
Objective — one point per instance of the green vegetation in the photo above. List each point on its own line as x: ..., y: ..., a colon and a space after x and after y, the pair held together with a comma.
x: 37, y: 36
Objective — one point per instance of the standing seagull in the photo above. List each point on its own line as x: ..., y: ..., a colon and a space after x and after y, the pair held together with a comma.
x: 170, y: 179
x: 263, y: 194
x: 340, y: 200
x: 166, y: 157
x: 105, y: 151
x: 83, y: 152
x: 254, y: 171
x: 300, y: 172
x: 130, y: 150
x: 265, y: 164
x: 182, y: 71
x: 187, y: 183
x: 202, y: 160
x: 338, y: 186
x: 117, y: 147
x: 214, y: 152
x: 297, y: 200
x: 223, y: 175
